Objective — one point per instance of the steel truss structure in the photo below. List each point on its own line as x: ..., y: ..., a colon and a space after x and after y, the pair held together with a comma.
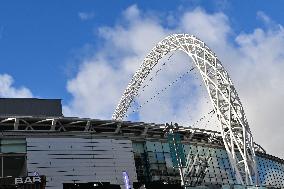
x: 235, y: 131
x: 196, y: 169
x: 32, y: 126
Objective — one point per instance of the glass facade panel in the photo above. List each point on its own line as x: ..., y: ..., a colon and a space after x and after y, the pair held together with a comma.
x: 158, y: 147
x: 168, y: 160
x: 14, y: 166
x: 166, y: 147
x: 13, y: 157
x: 150, y: 147
x: 152, y: 157
x: 138, y: 148
x: 13, y: 146
x: 270, y: 172
x: 160, y: 157
x: 158, y: 165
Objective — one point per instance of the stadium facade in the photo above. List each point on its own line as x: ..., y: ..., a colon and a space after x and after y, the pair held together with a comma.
x: 36, y: 140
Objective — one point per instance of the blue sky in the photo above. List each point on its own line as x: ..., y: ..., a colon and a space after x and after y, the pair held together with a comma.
x: 41, y: 41
x: 85, y: 53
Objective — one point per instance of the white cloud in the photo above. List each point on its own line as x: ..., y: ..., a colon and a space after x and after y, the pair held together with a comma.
x: 96, y: 97
x: 132, y: 13
x: 86, y: 15
x: 7, y: 90
x: 255, y: 62
x: 100, y: 82
x: 263, y: 17
x: 260, y: 83
x: 211, y: 28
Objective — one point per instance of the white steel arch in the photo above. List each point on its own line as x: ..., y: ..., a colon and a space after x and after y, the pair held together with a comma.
x: 227, y: 105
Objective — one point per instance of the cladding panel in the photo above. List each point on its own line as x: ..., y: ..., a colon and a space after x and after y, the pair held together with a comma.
x: 80, y: 160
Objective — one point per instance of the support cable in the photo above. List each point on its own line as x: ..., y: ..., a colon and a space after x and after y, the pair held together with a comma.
x: 164, y: 89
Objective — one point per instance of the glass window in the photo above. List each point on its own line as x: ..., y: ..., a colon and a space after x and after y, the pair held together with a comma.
x: 160, y: 157
x: 153, y: 166
x: 186, y: 149
x: 168, y: 160
x: 166, y: 147
x: 158, y: 147
x: 152, y: 157
x: 13, y: 146
x: 193, y: 149
x: 14, y: 166
x: 150, y: 146
x: 138, y: 148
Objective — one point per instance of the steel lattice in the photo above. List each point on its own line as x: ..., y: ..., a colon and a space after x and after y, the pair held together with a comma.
x: 227, y: 105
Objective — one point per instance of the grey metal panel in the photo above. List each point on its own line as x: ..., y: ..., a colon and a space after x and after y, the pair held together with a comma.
x: 80, y: 159
x: 30, y: 107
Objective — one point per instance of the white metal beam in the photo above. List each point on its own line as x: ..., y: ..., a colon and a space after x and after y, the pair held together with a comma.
x: 227, y: 105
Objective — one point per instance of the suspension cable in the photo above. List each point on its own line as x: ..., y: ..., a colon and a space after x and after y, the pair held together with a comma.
x: 203, y: 117
x: 164, y: 89
x: 152, y: 78
x: 149, y: 82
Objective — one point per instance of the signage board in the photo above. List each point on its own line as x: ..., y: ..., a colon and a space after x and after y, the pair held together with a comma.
x: 27, y: 180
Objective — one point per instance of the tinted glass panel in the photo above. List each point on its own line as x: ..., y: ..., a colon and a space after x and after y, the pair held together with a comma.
x: 14, y: 166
